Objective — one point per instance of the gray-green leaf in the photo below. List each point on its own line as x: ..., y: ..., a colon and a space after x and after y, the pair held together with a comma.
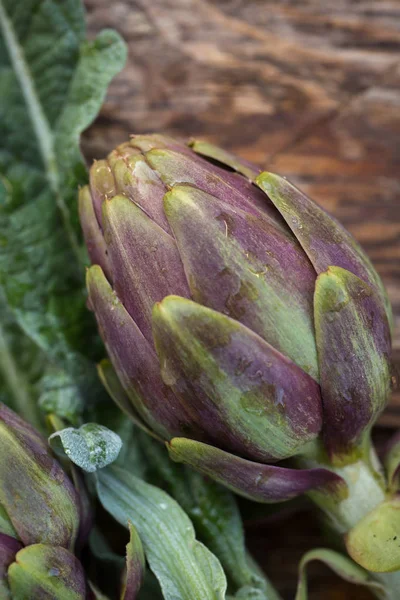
x: 184, y: 567
x: 52, y: 82
x: 91, y: 447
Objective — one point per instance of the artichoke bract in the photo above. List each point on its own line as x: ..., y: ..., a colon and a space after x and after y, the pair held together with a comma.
x: 244, y: 323
x: 38, y: 503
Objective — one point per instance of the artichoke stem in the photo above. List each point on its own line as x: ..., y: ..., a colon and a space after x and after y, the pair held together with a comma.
x: 366, y: 490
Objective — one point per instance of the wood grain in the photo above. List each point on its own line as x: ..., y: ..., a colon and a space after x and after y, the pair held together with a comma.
x: 309, y: 89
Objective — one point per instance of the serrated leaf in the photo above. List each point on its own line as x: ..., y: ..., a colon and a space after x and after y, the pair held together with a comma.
x: 184, y: 567
x: 91, y: 447
x: 53, y: 82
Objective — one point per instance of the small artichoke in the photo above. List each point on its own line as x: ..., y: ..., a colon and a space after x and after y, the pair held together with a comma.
x: 244, y: 322
x: 39, y: 518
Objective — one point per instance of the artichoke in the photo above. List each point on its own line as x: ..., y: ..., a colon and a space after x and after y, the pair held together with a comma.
x: 245, y: 324
x: 39, y: 518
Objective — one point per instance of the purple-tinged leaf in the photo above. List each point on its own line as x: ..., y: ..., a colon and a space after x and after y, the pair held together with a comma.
x: 35, y: 492
x: 102, y: 186
x: 176, y: 168
x: 145, y: 261
x: 258, y: 482
x: 135, y: 566
x: 136, y: 362
x: 136, y: 180
x: 95, y: 243
x: 48, y: 572
x: 354, y: 354
x: 245, y: 267
x: 225, y: 158
x: 246, y: 396
x: 325, y: 241
x: 156, y: 140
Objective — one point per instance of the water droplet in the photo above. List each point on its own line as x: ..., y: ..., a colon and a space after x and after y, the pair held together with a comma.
x: 335, y: 299
x: 346, y: 395
x: 259, y: 272
x: 242, y: 365
x: 53, y: 572
x: 163, y: 506
x: 280, y: 397
x: 250, y: 405
x: 296, y: 223
x: 167, y: 373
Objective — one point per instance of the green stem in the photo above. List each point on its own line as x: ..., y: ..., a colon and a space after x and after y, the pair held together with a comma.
x: 16, y: 384
x: 366, y: 490
x: 39, y: 121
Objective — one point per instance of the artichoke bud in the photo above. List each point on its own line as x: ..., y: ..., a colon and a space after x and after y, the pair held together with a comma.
x: 42, y: 571
x: 210, y: 282
x: 38, y: 503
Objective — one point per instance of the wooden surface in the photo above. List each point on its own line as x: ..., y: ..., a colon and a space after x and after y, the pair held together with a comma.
x: 309, y: 89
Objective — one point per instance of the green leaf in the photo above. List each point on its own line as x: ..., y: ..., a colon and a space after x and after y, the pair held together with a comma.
x: 340, y: 564
x: 215, y: 516
x: 374, y: 542
x: 91, y: 447
x: 60, y: 395
x: 184, y: 567
x: 53, y: 82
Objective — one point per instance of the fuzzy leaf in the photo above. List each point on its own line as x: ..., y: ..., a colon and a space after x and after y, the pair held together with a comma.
x: 54, y: 82
x: 91, y: 447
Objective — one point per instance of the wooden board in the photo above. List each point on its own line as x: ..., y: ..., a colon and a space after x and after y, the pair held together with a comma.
x: 309, y: 89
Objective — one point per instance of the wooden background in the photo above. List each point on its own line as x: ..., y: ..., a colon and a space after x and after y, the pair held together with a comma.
x: 309, y: 89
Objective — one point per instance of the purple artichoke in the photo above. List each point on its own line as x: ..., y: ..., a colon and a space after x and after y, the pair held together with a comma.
x: 244, y: 323
x: 39, y: 518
